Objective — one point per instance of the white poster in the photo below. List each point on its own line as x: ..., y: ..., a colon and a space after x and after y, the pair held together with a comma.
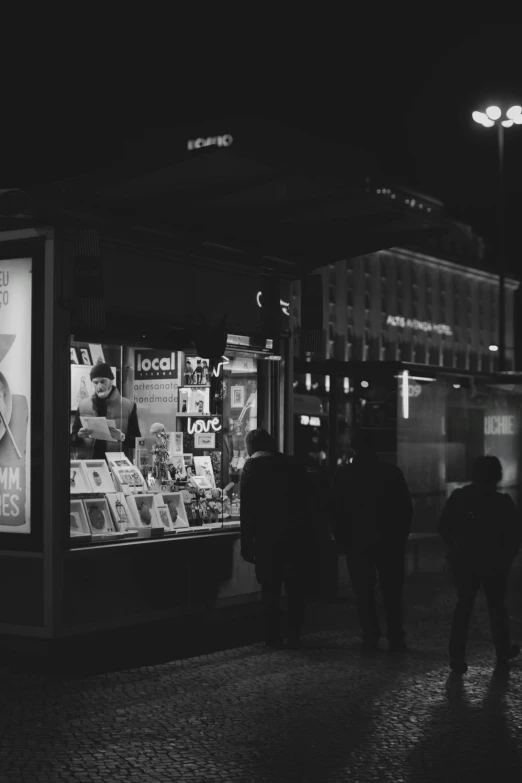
x: 15, y: 395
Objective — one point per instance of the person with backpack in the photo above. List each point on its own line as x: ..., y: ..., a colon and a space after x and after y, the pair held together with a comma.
x: 482, y: 529
x: 372, y: 517
x: 275, y: 533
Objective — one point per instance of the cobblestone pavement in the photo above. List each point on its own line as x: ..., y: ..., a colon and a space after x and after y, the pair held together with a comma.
x: 325, y: 714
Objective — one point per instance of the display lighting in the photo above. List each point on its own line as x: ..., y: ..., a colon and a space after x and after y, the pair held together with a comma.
x: 456, y: 385
x: 310, y: 421
x: 346, y: 385
x: 364, y: 384
x: 418, y: 378
x: 308, y: 381
x: 284, y: 305
x: 493, y: 348
x: 405, y: 395
x: 327, y: 383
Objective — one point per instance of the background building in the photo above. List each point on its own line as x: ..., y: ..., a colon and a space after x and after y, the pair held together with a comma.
x: 433, y: 303
x: 405, y: 352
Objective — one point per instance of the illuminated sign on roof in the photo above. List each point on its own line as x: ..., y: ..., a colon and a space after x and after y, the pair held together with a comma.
x: 209, y: 141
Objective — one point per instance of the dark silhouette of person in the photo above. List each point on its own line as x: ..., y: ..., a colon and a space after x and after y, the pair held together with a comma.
x: 482, y: 529
x: 275, y: 532
x: 372, y: 516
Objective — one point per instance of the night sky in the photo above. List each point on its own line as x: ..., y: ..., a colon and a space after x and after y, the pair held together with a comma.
x: 405, y: 97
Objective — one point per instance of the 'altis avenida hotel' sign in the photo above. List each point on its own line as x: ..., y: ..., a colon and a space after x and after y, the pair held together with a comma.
x: 420, y: 326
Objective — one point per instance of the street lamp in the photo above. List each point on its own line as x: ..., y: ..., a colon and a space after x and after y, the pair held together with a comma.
x: 490, y: 118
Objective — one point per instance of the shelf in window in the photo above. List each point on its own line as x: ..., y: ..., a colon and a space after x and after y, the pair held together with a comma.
x: 200, y: 415
x: 195, y: 386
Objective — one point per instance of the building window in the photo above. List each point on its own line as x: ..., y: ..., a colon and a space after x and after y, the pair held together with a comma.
x: 366, y: 347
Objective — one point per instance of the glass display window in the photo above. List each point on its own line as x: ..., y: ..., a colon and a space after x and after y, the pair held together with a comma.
x: 157, y: 438
x: 444, y: 424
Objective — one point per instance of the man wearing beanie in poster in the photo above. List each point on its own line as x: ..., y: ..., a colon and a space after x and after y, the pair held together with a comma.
x: 108, y: 402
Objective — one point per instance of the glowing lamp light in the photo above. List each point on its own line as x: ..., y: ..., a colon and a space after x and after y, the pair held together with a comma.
x: 514, y: 112
x: 488, y: 123
x: 308, y: 381
x: 456, y: 385
x: 518, y: 120
x: 346, y: 385
x: 493, y: 348
x: 327, y: 383
x: 479, y: 117
x: 493, y: 112
x: 364, y: 384
x: 507, y: 123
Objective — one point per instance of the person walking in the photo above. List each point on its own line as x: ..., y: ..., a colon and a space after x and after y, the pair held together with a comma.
x: 372, y: 517
x: 482, y: 529
x: 274, y: 532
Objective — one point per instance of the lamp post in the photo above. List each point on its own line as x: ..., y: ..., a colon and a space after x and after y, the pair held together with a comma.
x: 492, y: 117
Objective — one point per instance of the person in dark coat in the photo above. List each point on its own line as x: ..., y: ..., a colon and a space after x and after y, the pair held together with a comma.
x: 274, y: 532
x: 372, y: 516
x: 482, y: 529
x: 108, y: 402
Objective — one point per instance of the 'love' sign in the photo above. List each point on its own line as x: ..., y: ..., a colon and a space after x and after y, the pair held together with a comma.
x: 203, y: 425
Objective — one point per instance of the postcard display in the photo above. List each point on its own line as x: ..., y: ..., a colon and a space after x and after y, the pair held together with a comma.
x: 185, y: 469
x: 181, y: 452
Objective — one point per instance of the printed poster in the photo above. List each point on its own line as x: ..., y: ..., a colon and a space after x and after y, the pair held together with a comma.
x: 15, y: 395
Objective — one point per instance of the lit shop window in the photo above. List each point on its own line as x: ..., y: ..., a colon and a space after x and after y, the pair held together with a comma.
x: 157, y: 440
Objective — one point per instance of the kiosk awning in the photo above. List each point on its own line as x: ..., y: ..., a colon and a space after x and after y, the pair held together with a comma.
x: 274, y: 198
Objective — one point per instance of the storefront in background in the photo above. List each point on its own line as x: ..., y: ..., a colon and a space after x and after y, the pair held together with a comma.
x: 432, y: 423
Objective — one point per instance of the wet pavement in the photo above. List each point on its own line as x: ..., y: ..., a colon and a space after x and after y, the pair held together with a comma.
x: 324, y: 714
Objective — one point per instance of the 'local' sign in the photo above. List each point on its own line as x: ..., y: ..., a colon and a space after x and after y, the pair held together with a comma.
x: 422, y: 326
x: 156, y: 364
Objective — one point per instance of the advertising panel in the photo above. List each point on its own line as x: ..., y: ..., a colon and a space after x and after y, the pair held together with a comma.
x: 15, y: 395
